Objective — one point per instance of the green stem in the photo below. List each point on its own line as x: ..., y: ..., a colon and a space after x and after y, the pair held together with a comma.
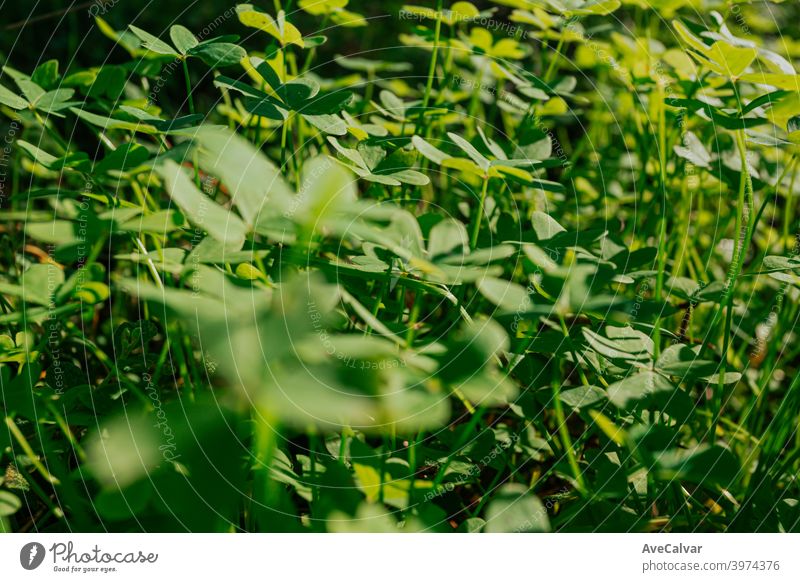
x: 662, y: 232
x: 476, y: 228
x: 412, y: 319
x: 432, y: 68
x: 190, y: 98
x: 566, y: 439
x: 551, y: 67
x: 313, y: 52
x: 745, y: 202
x: 26, y: 448
x: 188, y: 82
x: 51, y: 132
x: 284, y: 135
x: 471, y: 122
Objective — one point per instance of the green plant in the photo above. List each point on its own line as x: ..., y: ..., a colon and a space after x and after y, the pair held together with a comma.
x: 548, y: 284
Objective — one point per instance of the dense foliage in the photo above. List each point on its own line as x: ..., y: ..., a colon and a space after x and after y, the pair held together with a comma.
x: 529, y: 265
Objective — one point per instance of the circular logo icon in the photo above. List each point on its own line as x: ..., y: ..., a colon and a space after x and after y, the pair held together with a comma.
x: 31, y: 555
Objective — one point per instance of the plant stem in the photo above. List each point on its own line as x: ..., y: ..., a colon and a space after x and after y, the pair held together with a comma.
x: 551, y: 67
x: 190, y: 99
x: 188, y: 82
x: 743, y: 212
x: 313, y: 52
x: 412, y: 319
x: 26, y: 448
x: 476, y: 228
x: 662, y: 230
x: 284, y: 135
x: 432, y: 67
x: 566, y: 439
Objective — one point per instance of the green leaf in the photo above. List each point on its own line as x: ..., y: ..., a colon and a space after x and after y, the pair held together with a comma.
x: 29, y: 89
x: 46, y: 74
x: 411, y: 177
x: 330, y: 124
x: 728, y: 378
x: 327, y: 189
x: 219, y: 54
x: 126, y: 156
x: 723, y: 119
x: 11, y: 99
x: 583, y: 396
x: 448, y: 237
x: 606, y: 425
x: 693, y: 151
x: 256, y: 185
x: 39, y: 155
x: 351, y: 155
x: 622, y: 344
x: 109, y: 82
x: 539, y: 257
x: 703, y: 465
x: 279, y: 28
x: 472, y: 525
x: 126, y: 450
x: 779, y: 80
x: 650, y: 390
x: 57, y: 232
x: 596, y: 7
x: 326, y: 104
x: 109, y: 123
x: 545, y: 226
x: 201, y: 210
x: 182, y: 38
x: 117, y: 504
x: 264, y: 108
x: 41, y: 281
x: 318, y: 7
x: 727, y: 60
x: 509, y: 296
x: 681, y: 360
x: 315, y: 41
x: 37, y: 284
x: 267, y: 72
x: 9, y: 503
x: 297, y: 92
x: 53, y: 101
x: 514, y: 509
x: 434, y: 154
x: 243, y: 88
x: 775, y: 263
x: 153, y: 43
x: 689, y: 37
x: 477, y: 157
